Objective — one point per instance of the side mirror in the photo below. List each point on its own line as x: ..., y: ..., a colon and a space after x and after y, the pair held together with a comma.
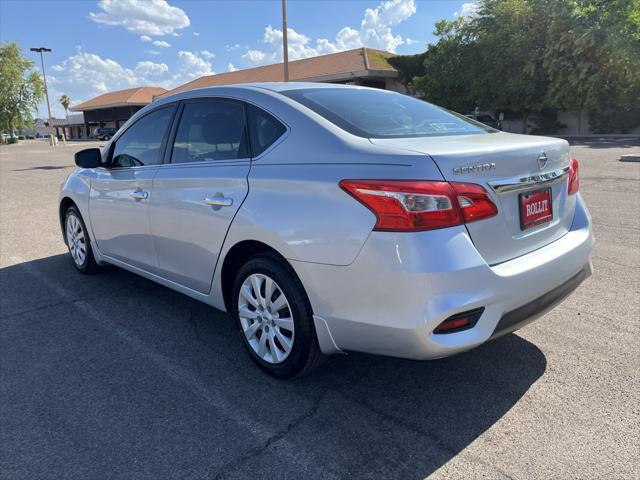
x: 88, y: 158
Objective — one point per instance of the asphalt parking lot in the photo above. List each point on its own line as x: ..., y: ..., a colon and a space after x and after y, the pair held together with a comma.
x: 113, y: 376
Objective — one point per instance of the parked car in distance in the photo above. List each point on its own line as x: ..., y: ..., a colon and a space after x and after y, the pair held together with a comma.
x: 105, y: 133
x: 485, y: 118
x: 330, y: 218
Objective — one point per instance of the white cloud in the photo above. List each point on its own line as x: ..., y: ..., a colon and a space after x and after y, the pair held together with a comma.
x: 349, y: 38
x: 207, y: 54
x: 375, y: 32
x: 145, y: 38
x: 87, y: 72
x: 232, y: 47
x: 467, y: 10
x: 152, y: 52
x: 161, y: 43
x: 145, y: 17
x: 85, y: 75
x: 231, y: 67
x: 299, y: 47
x: 254, y: 56
x: 191, y: 66
x: 149, y: 70
x: 196, y: 34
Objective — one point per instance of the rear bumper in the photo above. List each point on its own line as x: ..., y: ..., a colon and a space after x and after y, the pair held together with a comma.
x: 400, y: 287
x: 521, y: 316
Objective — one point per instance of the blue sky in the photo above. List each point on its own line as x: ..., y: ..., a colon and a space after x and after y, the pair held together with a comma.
x: 106, y: 45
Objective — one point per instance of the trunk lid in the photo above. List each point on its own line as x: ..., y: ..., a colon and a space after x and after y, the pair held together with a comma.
x: 506, y: 165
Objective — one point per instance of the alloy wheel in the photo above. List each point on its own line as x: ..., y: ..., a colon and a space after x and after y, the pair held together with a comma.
x: 76, y: 239
x: 266, y: 318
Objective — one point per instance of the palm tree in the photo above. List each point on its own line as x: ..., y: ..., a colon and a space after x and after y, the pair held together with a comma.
x: 65, y: 101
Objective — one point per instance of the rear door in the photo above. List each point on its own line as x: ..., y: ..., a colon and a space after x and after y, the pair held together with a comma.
x: 199, y: 190
x: 120, y: 194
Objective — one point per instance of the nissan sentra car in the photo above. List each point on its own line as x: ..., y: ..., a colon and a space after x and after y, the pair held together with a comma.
x: 329, y: 218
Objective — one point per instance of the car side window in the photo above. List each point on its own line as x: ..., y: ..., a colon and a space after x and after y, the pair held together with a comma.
x: 142, y: 143
x: 211, y: 130
x: 264, y: 130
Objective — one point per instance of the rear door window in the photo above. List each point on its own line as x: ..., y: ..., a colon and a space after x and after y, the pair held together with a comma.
x: 211, y: 130
x: 264, y: 129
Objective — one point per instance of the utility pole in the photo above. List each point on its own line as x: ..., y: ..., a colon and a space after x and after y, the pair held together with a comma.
x: 285, y: 44
x: 41, y: 50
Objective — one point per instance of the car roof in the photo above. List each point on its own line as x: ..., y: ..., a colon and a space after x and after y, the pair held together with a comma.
x: 285, y: 86
x: 275, y: 87
x: 241, y: 89
x: 271, y: 86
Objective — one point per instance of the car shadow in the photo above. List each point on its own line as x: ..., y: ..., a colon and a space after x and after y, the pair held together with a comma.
x: 358, y: 416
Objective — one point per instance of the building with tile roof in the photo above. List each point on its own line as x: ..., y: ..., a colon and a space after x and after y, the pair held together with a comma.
x: 112, y: 109
x: 362, y: 66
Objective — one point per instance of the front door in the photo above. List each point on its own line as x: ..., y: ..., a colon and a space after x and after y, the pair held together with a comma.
x: 120, y: 194
x: 197, y: 195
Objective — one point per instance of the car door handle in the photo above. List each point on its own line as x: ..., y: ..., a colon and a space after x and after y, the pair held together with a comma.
x: 218, y: 201
x: 139, y: 195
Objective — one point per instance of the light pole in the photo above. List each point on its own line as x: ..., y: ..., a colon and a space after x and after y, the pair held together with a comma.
x: 41, y: 50
x: 285, y: 45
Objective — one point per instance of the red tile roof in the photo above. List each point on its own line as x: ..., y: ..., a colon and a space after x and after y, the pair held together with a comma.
x: 121, y: 98
x: 335, y: 66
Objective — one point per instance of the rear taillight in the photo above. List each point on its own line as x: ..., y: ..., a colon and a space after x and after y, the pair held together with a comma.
x: 408, y: 205
x: 474, y: 202
x: 574, y: 177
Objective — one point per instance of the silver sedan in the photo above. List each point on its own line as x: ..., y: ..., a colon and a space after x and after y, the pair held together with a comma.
x: 328, y: 218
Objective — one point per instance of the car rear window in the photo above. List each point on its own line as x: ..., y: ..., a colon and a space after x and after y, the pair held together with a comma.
x: 264, y: 130
x: 382, y: 114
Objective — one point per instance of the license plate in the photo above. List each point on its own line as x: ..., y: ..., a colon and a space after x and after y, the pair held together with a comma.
x: 535, y: 208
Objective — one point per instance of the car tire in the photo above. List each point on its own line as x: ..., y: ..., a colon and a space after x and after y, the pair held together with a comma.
x: 267, y: 326
x: 78, y: 242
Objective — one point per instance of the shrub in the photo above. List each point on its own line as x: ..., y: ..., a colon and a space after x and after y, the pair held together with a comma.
x: 619, y: 120
x: 546, y: 123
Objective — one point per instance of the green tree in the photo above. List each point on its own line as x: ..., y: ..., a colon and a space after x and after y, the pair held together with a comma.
x: 450, y: 64
x: 509, y: 38
x: 592, y: 59
x: 536, y: 57
x: 491, y: 59
x: 21, y: 88
x: 65, y: 101
x: 409, y: 66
